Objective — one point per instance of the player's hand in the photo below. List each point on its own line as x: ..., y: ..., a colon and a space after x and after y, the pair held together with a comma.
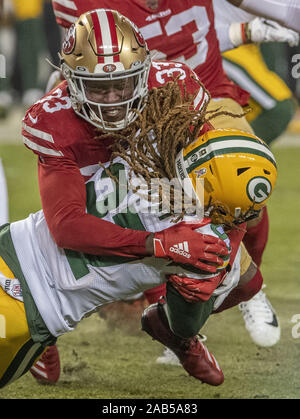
x: 195, y: 290
x: 263, y: 30
x: 183, y: 244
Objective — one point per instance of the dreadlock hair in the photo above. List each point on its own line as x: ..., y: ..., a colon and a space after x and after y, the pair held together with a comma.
x: 167, y: 124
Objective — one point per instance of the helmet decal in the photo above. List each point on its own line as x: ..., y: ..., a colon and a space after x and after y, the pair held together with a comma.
x: 105, y: 35
x: 222, y: 146
x: 109, y: 68
x: 70, y: 40
x: 258, y: 189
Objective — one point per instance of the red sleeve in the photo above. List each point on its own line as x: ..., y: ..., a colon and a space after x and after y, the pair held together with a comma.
x: 63, y: 196
x: 236, y: 236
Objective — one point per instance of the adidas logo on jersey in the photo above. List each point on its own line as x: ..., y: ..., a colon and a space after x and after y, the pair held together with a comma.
x: 181, y: 249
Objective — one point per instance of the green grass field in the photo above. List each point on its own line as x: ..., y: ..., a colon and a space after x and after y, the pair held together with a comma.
x: 103, y: 362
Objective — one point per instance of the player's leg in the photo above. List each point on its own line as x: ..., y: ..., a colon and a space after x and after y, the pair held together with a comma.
x: 46, y: 370
x: 263, y: 326
x: 271, y: 123
x: 272, y: 103
x: 175, y: 324
x: 17, y: 350
x: 249, y: 284
x: 46, y: 366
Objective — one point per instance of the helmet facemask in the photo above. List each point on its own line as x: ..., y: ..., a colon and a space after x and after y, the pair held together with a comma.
x: 220, y: 214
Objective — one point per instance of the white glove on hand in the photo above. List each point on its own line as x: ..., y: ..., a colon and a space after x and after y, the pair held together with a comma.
x: 263, y: 30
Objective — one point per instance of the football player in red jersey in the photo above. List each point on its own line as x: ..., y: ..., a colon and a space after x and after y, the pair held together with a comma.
x: 285, y: 12
x: 108, y: 73
x: 185, y: 31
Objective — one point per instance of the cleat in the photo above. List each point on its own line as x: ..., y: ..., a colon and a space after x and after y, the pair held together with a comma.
x: 169, y: 358
x: 192, y: 353
x: 47, y: 369
x: 261, y: 320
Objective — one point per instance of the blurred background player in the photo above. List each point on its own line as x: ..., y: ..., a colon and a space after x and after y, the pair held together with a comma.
x: 272, y: 103
x: 28, y: 33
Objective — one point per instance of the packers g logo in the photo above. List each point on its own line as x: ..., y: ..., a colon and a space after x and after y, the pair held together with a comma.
x: 259, y: 189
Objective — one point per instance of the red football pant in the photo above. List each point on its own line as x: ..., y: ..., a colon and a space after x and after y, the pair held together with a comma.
x: 242, y: 293
x: 256, y: 238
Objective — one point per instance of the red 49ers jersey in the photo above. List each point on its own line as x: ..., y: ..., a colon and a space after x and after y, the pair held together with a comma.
x: 52, y: 129
x: 177, y: 30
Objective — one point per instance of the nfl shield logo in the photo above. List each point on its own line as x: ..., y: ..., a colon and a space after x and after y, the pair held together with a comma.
x: 17, y: 290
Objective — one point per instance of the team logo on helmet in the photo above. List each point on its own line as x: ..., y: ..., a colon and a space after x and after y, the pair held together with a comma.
x: 69, y: 41
x: 259, y: 189
x: 194, y: 157
x: 109, y: 68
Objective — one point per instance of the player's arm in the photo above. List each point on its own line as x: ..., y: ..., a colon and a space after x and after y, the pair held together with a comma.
x: 286, y: 12
x: 63, y: 196
x: 235, y: 27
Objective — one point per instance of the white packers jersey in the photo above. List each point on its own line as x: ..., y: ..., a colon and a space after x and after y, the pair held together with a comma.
x: 67, y: 285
